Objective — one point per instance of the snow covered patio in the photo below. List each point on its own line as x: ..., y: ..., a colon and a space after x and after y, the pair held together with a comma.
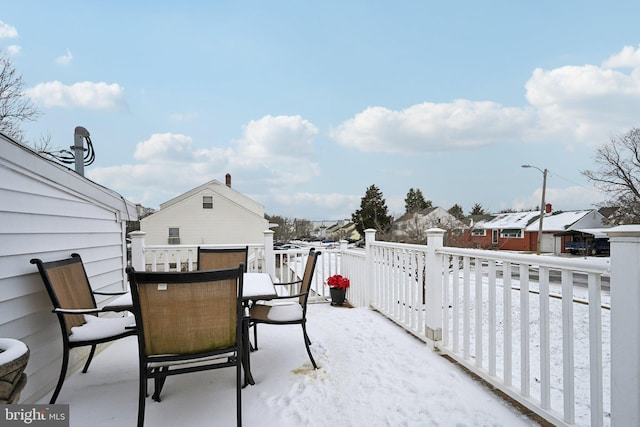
x: 372, y: 373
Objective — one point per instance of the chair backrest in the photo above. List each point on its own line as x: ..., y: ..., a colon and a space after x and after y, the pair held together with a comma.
x: 68, y: 287
x: 187, y: 313
x: 216, y: 258
x: 307, y: 277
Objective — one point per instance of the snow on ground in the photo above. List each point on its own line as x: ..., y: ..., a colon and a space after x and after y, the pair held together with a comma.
x: 372, y: 373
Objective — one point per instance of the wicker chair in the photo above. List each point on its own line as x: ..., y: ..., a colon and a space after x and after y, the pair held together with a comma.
x: 289, y: 309
x: 216, y: 258
x: 187, y: 322
x: 75, y: 305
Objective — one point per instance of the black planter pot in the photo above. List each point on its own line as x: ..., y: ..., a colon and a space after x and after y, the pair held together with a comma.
x: 337, y: 296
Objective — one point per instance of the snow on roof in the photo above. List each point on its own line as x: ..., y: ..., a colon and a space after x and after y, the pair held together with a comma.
x: 508, y: 220
x: 560, y: 221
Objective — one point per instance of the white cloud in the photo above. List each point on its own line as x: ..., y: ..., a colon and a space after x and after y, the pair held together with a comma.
x: 279, y: 149
x: 13, y: 49
x: 7, y: 31
x: 273, y: 155
x: 64, y: 59
x: 627, y: 57
x: 433, y: 127
x: 569, y: 105
x: 87, y: 95
x: 570, y: 198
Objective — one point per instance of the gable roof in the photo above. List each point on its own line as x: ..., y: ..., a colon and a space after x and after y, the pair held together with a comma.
x: 560, y: 221
x: 220, y: 188
x: 517, y: 220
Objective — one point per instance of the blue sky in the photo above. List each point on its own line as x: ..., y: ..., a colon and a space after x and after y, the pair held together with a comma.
x: 306, y: 104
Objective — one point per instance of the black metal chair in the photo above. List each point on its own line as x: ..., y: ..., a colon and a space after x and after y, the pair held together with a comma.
x: 187, y: 322
x: 75, y: 305
x: 289, y: 309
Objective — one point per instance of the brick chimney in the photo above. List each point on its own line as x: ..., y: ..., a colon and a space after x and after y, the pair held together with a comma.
x: 228, y: 181
x: 547, y: 208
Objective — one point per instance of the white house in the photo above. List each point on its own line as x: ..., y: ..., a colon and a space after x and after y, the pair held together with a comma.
x: 212, y: 213
x: 413, y: 226
x: 49, y: 211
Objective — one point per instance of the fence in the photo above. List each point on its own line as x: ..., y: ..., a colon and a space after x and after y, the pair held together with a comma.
x: 544, y: 330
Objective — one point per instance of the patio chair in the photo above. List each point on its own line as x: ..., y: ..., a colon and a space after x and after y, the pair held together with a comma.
x: 75, y: 305
x: 187, y: 322
x: 217, y: 258
x: 288, y: 309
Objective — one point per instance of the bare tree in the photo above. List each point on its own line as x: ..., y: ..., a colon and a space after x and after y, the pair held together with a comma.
x: 15, y: 106
x: 618, y: 175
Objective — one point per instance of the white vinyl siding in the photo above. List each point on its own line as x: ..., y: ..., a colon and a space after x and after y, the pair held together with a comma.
x: 48, y: 211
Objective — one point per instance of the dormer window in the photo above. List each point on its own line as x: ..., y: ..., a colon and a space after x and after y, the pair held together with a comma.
x: 207, y: 202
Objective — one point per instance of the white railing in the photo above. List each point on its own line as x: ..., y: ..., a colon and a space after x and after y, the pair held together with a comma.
x: 528, y: 324
x: 539, y: 328
x: 535, y: 327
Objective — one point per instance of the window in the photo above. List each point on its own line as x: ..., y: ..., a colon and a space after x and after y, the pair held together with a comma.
x: 511, y: 233
x: 207, y: 202
x: 174, y: 236
x: 478, y: 232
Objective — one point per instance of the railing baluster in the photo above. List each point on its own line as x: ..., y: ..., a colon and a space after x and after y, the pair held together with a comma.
x: 595, y: 348
x: 545, y: 359
x: 525, y: 368
x: 568, y: 364
x: 466, y: 307
x: 492, y: 344
x: 478, y: 311
x: 456, y: 303
x: 508, y: 318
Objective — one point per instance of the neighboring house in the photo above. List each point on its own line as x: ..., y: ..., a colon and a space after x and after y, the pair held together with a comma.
x: 212, y: 213
x: 504, y: 231
x: 412, y: 226
x: 49, y: 211
x: 518, y: 231
x: 556, y: 227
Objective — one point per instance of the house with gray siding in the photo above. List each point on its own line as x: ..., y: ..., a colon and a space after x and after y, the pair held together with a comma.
x: 49, y: 211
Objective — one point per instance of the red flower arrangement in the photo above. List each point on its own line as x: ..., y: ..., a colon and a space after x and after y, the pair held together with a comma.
x: 337, y: 281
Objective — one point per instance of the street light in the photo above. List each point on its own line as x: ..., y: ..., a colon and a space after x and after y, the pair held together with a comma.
x: 542, y: 207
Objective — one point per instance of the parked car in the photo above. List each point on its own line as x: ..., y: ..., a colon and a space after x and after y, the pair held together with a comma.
x: 588, y: 247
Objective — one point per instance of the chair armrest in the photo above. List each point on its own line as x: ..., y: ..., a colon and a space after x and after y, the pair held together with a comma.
x: 109, y: 293
x: 288, y: 283
x: 77, y: 310
x: 288, y: 296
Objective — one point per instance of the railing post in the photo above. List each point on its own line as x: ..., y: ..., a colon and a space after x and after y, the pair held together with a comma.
x: 343, y: 245
x: 625, y: 325
x: 435, y: 239
x: 269, y: 254
x: 137, y: 250
x: 369, y: 237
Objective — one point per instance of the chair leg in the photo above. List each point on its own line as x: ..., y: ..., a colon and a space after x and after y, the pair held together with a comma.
x: 142, y: 394
x: 89, y: 359
x: 63, y: 374
x: 239, y: 389
x: 159, y: 383
x: 307, y: 341
x: 255, y: 337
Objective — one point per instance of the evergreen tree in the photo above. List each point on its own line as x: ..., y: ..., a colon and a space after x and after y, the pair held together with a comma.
x: 415, y: 201
x: 477, y: 209
x: 456, y: 211
x: 372, y: 212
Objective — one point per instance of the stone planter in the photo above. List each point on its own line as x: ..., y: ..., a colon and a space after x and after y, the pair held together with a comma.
x: 14, y: 355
